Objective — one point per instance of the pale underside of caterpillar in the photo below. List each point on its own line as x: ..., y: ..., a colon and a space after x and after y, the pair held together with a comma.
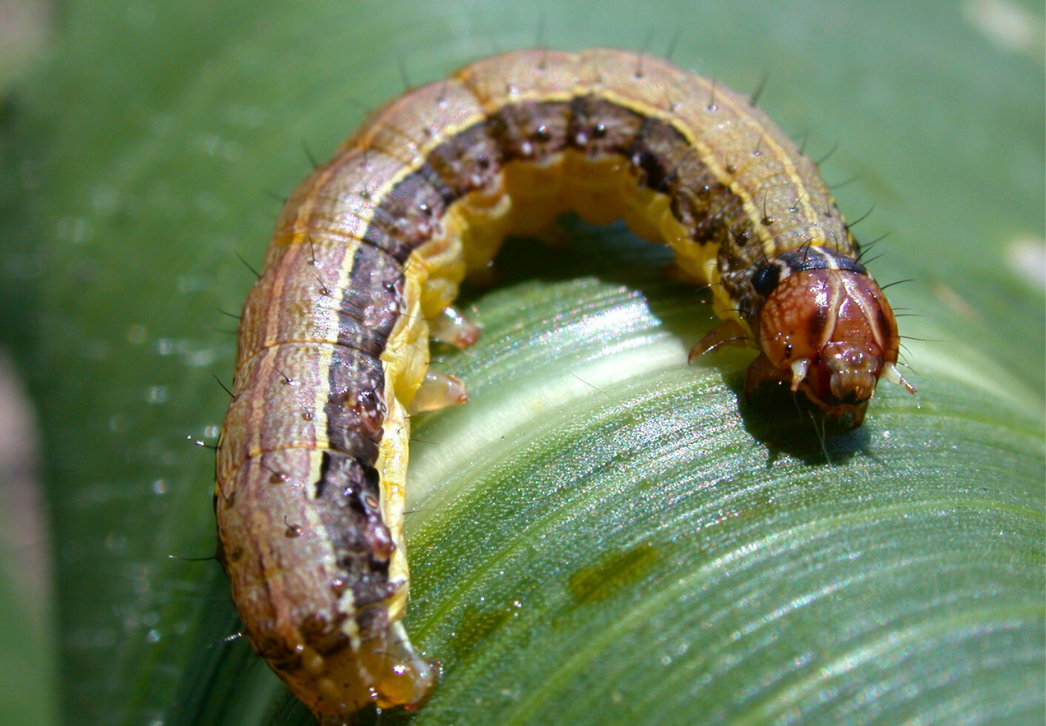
x: 368, y: 255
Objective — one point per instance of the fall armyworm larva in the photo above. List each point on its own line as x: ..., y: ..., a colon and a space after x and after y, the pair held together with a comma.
x: 367, y: 258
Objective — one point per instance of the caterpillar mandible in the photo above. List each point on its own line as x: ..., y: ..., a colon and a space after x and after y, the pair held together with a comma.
x: 364, y: 265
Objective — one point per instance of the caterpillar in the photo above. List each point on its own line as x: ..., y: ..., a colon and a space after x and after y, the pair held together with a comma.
x: 366, y: 260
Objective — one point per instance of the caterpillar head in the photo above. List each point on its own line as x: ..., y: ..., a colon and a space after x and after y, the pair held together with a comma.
x: 826, y: 329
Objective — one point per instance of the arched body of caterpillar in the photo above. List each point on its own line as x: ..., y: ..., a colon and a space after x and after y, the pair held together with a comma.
x: 368, y: 255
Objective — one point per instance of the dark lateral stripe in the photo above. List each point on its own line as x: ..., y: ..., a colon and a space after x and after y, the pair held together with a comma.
x: 602, y: 128
x: 406, y: 216
x: 348, y: 501
x: 466, y: 161
x: 355, y: 399
x: 373, y: 300
x: 532, y: 131
x: 655, y: 151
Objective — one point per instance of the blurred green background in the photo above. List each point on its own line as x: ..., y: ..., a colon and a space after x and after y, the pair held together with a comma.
x: 603, y: 535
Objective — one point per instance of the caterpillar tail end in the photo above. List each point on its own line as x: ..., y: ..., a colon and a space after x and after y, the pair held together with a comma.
x: 386, y: 672
x: 406, y: 678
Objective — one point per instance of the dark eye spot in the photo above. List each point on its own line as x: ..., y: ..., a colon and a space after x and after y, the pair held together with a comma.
x: 766, y: 278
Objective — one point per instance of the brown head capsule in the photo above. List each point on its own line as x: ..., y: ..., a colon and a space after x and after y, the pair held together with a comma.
x: 826, y: 329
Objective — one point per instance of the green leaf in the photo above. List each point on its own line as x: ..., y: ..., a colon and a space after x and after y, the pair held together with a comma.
x: 603, y: 534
